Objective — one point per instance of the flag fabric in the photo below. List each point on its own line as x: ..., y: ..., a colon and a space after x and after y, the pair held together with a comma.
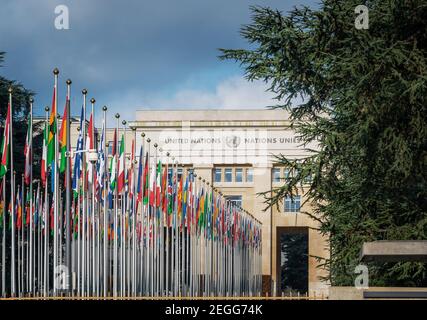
x: 113, y: 164
x: 121, y: 173
x: 27, y: 154
x: 63, y: 139
x: 90, y: 146
x: 139, y: 179
x: 101, y: 162
x: 43, y: 164
x: 145, y: 182
x: 5, y: 144
x: 158, y: 183
x: 18, y: 209
x: 52, y: 132
x: 153, y: 185
x: 78, y: 157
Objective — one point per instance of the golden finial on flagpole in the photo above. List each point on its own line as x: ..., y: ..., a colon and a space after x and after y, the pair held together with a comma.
x: 56, y: 71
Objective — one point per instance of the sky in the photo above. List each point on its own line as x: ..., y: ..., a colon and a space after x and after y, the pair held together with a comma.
x: 133, y: 54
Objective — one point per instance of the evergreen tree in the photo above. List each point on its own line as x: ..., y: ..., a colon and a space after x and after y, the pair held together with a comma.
x: 21, y: 109
x: 364, y: 102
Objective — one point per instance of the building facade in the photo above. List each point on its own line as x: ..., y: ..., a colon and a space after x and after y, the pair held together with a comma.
x: 234, y: 150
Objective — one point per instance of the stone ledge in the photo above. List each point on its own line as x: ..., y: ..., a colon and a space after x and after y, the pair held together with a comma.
x: 394, y: 251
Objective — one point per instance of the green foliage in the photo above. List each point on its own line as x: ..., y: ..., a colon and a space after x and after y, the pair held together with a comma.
x: 295, y: 267
x: 21, y: 110
x: 364, y: 102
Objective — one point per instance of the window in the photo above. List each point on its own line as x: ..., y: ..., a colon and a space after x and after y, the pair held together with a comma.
x: 249, y: 175
x: 217, y: 175
x: 179, y: 174
x: 239, y: 175
x: 286, y: 174
x: 293, y: 205
x: 170, y: 173
x: 110, y: 147
x: 308, y: 179
x: 276, y: 174
x: 235, y: 200
x: 228, y: 175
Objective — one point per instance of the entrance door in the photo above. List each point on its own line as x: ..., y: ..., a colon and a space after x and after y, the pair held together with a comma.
x: 293, y: 261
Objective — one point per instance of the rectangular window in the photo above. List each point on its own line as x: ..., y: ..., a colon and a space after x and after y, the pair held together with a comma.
x: 110, y: 147
x: 217, y: 175
x: 249, y: 175
x: 276, y: 174
x: 235, y: 200
x: 293, y: 205
x: 238, y: 175
x: 179, y: 174
x: 308, y: 179
x: 286, y: 173
x: 228, y: 175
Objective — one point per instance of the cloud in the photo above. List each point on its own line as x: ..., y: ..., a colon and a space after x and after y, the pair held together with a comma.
x: 234, y: 92
x: 231, y: 93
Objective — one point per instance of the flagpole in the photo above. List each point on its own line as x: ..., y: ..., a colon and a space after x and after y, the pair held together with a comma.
x: 31, y: 196
x: 142, y: 223
x: 105, y: 241
x: 3, y: 260
x: 68, y: 191
x: 55, y: 195
x: 134, y: 214
x: 123, y: 219
x: 115, y: 253
x: 47, y: 224
x: 83, y: 224
x: 12, y: 196
x: 22, y: 244
x: 93, y: 261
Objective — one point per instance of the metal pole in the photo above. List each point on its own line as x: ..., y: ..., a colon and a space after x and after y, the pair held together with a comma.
x: 68, y: 191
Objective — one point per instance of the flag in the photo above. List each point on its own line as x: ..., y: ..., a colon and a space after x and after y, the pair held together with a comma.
x: 52, y: 131
x: 90, y: 146
x: 78, y: 158
x: 27, y: 153
x: 158, y: 183
x: 139, y: 183
x: 101, y: 161
x: 153, y: 185
x: 121, y: 173
x: 113, y: 163
x: 43, y: 164
x: 5, y: 145
x: 18, y: 209
x: 63, y: 139
x: 131, y: 182
x: 145, y: 183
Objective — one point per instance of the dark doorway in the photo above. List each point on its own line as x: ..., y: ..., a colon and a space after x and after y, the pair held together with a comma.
x: 294, y: 261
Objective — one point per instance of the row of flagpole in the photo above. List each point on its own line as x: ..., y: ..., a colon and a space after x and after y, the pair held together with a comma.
x: 145, y: 226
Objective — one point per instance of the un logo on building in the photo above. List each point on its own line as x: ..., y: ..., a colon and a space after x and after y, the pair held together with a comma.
x: 232, y: 141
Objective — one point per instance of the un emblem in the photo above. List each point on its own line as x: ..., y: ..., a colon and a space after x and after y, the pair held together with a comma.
x: 232, y: 141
